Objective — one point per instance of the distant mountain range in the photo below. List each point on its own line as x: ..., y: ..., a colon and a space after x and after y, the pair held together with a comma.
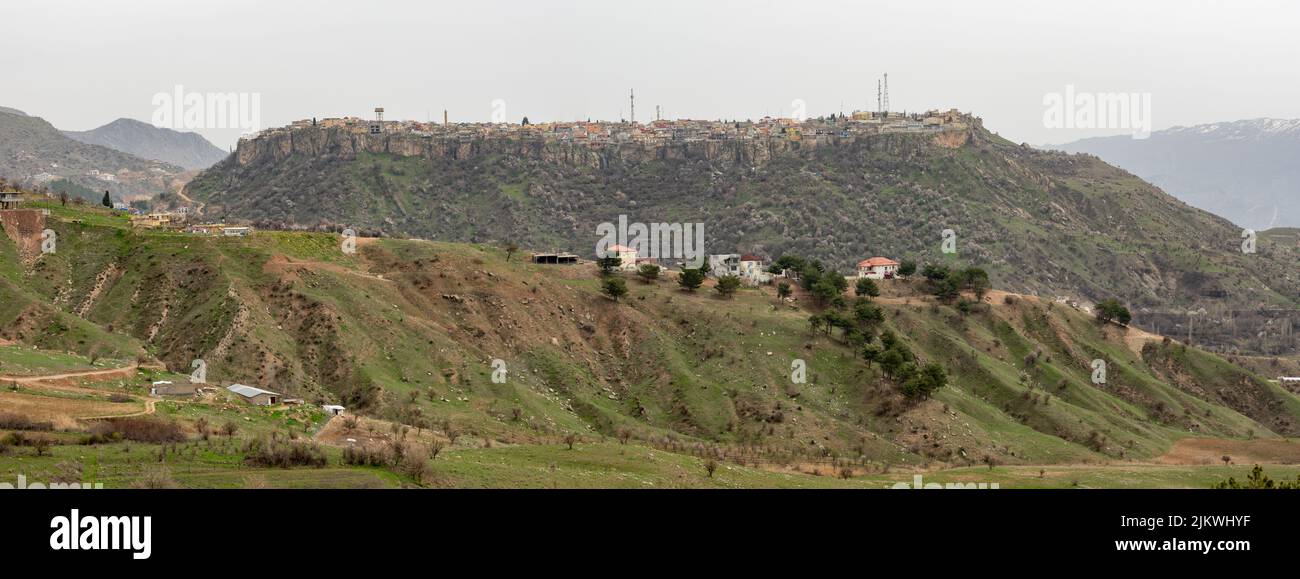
x: 1246, y: 171
x: 36, y: 153
x: 188, y: 150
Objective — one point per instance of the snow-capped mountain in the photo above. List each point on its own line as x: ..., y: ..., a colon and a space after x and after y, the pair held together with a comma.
x: 1247, y: 171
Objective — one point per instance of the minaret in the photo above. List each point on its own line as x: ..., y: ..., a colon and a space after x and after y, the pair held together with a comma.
x: 631, y: 95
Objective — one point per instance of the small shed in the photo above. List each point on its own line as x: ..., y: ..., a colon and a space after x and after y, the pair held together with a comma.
x: 333, y: 409
x: 169, y: 388
x: 255, y: 396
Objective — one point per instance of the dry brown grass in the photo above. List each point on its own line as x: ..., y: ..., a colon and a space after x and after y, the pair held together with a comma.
x: 63, y: 412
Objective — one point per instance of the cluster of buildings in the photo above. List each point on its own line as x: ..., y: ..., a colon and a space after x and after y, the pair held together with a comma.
x: 248, y: 394
x: 179, y: 221
x: 753, y: 270
x: 659, y: 131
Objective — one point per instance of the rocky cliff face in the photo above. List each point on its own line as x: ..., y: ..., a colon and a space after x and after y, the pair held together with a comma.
x: 343, y: 144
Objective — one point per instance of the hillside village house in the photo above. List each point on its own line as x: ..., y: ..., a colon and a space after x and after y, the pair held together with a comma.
x: 626, y: 255
x: 236, y: 231
x: 10, y: 200
x: 255, y: 396
x: 169, y: 388
x: 748, y: 267
x: 724, y: 264
x: 878, y: 268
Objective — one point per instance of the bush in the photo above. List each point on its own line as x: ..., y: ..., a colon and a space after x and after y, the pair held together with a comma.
x: 9, y: 421
x: 417, y: 468
x: 364, y: 456
x: 271, y: 452
x: 139, y: 429
x: 158, y: 477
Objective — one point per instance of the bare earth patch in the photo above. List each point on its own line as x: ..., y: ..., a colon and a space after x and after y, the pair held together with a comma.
x: 1206, y: 451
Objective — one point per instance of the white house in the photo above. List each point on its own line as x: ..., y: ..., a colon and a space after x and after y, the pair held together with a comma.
x: 878, y: 268
x: 724, y: 264
x: 747, y: 267
x: 236, y: 231
x: 752, y: 271
x: 333, y: 409
x: 1290, y: 379
x: 626, y: 255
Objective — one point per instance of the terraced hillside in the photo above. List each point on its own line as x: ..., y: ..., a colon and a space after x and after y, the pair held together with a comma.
x: 412, y: 332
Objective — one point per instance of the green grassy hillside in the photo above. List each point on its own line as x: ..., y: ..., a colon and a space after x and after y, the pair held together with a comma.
x: 407, y: 331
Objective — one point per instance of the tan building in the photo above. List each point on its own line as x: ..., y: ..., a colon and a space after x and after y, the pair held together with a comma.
x: 255, y: 396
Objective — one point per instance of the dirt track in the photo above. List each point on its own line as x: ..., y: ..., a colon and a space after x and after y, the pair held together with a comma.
x: 67, y: 382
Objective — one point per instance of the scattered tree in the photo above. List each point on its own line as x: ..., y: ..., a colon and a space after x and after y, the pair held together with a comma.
x: 1110, y: 310
x: 648, y: 272
x: 691, y: 279
x: 866, y: 288
x: 727, y: 285
x: 783, y: 290
x: 907, y: 268
x: 614, y: 287
x: 608, y: 265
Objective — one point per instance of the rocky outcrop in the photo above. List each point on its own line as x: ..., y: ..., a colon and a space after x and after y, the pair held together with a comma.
x: 345, y: 144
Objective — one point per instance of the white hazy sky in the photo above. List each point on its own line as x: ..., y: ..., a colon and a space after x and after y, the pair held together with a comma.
x: 80, y: 64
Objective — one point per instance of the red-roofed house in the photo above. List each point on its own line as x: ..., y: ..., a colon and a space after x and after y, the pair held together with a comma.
x: 625, y: 253
x: 878, y: 268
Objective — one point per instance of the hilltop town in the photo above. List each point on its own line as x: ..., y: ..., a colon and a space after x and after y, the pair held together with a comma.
x: 656, y: 132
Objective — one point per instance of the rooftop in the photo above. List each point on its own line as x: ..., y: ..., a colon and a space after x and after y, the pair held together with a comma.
x: 248, y: 391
